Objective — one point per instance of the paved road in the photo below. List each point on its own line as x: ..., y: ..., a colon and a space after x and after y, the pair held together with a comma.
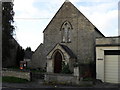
x: 38, y: 85
x: 60, y: 88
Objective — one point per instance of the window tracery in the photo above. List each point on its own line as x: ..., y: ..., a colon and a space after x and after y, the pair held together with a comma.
x: 66, y: 32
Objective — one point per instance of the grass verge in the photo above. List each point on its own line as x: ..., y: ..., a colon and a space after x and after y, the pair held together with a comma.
x: 10, y: 79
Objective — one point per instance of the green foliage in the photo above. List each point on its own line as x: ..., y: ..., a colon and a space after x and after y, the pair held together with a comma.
x: 13, y: 79
x: 19, y: 55
x: 7, y: 28
x: 7, y: 18
x: 28, y: 49
x: 65, y: 68
x: 38, y: 70
x: 13, y: 67
x: 88, y: 79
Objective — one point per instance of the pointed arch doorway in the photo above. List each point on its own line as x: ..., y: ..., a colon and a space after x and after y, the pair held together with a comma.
x: 57, y: 62
x: 58, y: 54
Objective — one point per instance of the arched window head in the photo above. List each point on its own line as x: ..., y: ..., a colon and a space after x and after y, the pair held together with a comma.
x: 66, y: 31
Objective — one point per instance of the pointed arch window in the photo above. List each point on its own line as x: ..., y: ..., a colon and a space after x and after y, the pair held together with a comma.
x: 66, y: 31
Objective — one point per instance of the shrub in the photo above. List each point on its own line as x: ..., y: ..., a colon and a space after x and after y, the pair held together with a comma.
x: 65, y: 69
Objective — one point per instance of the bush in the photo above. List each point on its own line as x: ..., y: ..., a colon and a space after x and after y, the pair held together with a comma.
x: 65, y: 69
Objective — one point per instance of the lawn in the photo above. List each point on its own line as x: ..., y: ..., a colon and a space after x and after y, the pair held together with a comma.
x: 13, y: 79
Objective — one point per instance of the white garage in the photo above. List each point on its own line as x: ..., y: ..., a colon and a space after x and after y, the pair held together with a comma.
x: 108, y: 59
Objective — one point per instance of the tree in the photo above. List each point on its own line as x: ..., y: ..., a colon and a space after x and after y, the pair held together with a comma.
x: 7, y: 28
x: 28, y: 53
x: 19, y: 55
x: 28, y: 49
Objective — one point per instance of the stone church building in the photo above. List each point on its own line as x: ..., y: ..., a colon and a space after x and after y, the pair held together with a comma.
x: 70, y: 38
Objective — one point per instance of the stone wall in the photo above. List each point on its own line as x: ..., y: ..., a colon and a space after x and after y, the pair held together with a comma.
x: 19, y: 74
x: 38, y: 58
x: 62, y: 78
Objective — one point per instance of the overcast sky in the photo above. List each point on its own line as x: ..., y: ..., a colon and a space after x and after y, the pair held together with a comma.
x: 32, y: 16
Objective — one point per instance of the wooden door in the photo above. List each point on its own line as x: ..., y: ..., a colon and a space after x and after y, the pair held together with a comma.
x: 57, y: 63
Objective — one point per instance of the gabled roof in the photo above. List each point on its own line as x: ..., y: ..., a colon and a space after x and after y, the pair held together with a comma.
x: 65, y: 48
x: 65, y: 4
x: 41, y: 44
x: 69, y: 51
x: 54, y: 17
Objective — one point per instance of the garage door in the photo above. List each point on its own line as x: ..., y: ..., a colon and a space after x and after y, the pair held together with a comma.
x: 111, y: 68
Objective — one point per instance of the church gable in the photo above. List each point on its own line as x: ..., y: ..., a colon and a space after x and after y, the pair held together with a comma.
x: 68, y: 13
x: 74, y: 33
x: 71, y: 28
